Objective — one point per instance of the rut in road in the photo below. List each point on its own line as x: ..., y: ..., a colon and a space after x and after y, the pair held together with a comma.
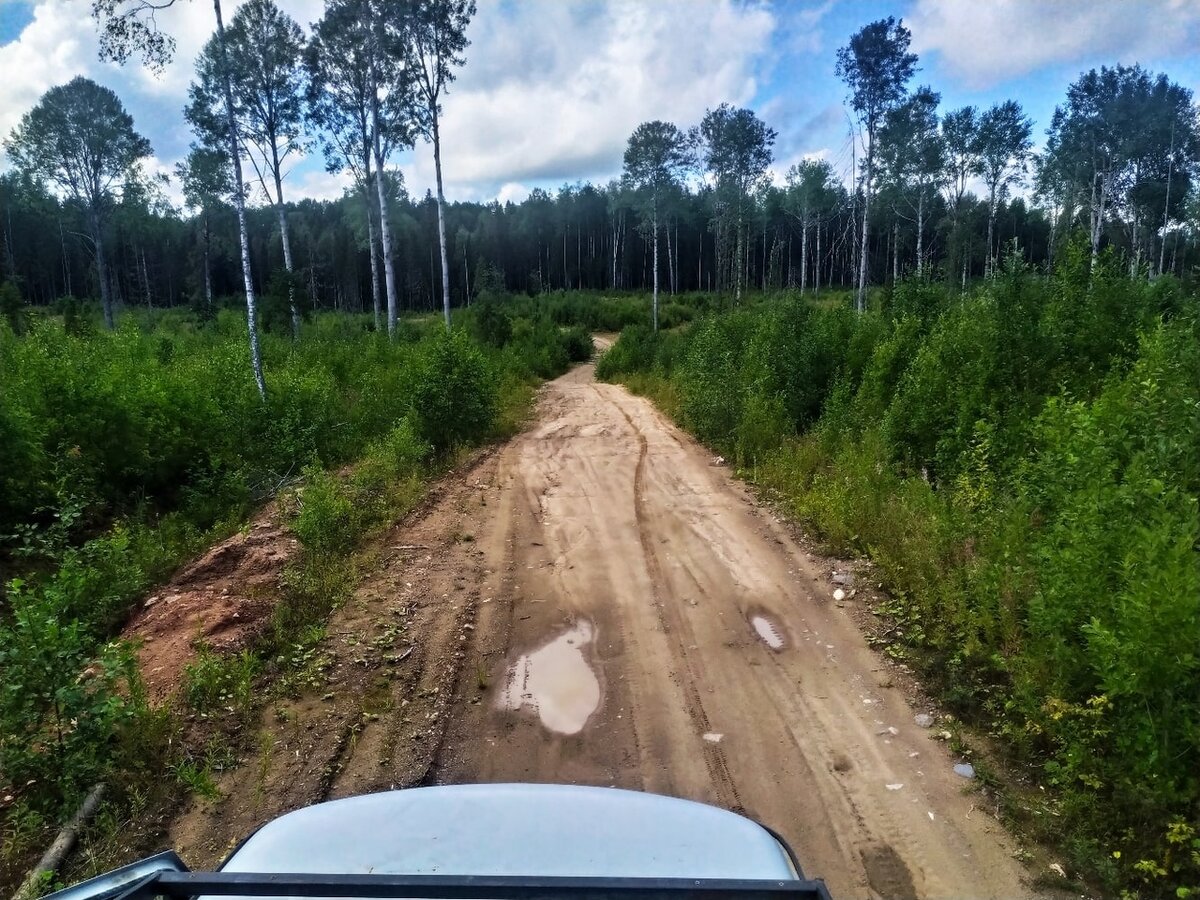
x: 597, y: 602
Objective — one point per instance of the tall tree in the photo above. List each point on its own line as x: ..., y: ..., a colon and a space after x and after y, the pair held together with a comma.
x: 340, y: 94
x: 656, y: 158
x: 810, y: 194
x: 80, y: 138
x: 960, y: 140
x: 1004, y: 144
x: 437, y: 37
x: 131, y: 26
x: 876, y: 66
x: 204, y: 176
x: 1105, y: 140
x: 737, y: 151
x: 912, y: 155
x: 393, y: 88
x: 264, y: 47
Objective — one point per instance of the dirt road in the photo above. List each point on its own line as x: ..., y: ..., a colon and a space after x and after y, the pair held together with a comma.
x: 600, y: 602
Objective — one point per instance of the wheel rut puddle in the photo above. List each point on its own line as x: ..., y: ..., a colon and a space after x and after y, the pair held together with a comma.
x: 556, y: 681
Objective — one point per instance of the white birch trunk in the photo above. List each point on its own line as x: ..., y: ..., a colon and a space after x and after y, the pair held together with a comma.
x: 239, y: 202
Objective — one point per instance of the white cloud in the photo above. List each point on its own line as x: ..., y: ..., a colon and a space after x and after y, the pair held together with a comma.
x: 318, y: 184
x: 512, y: 191
x: 985, y: 43
x: 551, y: 90
x: 61, y: 43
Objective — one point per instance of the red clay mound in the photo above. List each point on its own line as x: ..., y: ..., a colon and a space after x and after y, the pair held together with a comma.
x: 223, y: 599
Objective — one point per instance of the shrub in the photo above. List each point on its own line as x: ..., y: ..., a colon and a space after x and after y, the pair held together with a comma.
x: 327, y: 522
x: 61, y: 701
x: 453, y: 391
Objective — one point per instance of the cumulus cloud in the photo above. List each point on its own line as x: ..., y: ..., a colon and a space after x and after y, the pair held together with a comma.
x: 552, y: 90
x: 985, y: 43
x: 60, y: 43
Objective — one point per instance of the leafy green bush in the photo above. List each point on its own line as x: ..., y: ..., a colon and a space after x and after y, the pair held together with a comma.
x: 453, y: 391
x: 327, y: 522
x: 62, y: 701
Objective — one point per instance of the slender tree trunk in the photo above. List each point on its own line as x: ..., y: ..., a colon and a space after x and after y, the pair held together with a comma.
x: 991, y: 259
x: 670, y: 261
x: 65, y: 260
x: 817, y: 267
x: 207, y: 262
x: 239, y: 203
x: 920, y: 232
x: 1162, y: 244
x: 895, y: 251
x: 441, y: 201
x: 145, y: 278
x: 285, y: 238
x: 804, y: 253
x: 376, y: 304
x: 654, y: 305
x: 739, y: 250
x: 102, y: 271
x: 860, y: 299
x: 385, y: 231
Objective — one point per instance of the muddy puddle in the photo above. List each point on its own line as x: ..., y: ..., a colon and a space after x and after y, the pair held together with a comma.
x: 768, y: 632
x: 556, y: 681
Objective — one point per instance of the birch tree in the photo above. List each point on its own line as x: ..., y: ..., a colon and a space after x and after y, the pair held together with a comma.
x: 436, y: 38
x: 129, y: 27
x: 656, y: 159
x: 912, y: 156
x: 340, y: 92
x: 808, y: 196
x: 876, y: 66
x: 80, y: 138
x: 1004, y: 144
x: 264, y: 47
x: 394, y: 113
x: 204, y: 176
x: 737, y: 151
x: 960, y: 140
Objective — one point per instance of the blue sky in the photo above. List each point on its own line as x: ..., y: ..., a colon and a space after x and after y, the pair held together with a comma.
x: 552, y: 88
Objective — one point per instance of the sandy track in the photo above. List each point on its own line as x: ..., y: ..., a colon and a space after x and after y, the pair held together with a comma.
x: 598, y: 602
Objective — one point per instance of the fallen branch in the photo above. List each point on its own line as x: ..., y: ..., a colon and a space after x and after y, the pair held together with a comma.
x: 53, y: 858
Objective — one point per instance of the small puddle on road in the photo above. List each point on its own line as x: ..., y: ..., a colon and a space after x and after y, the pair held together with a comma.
x: 556, y: 682
x: 767, y: 632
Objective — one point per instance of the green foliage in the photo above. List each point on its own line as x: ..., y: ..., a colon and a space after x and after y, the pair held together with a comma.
x: 453, y: 391
x: 62, y: 700
x: 126, y: 452
x: 492, y: 325
x: 216, y: 682
x: 1022, y: 466
x: 275, y: 303
x: 12, y: 307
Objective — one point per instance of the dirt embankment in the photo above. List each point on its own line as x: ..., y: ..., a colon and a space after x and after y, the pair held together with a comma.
x: 223, y: 600
x: 599, y: 602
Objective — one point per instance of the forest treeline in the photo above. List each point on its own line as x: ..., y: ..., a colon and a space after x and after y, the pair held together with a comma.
x: 933, y: 190
x: 1021, y: 465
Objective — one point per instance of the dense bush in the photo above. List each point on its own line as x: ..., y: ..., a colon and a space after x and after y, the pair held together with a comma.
x: 1023, y: 465
x: 123, y: 453
x: 453, y: 391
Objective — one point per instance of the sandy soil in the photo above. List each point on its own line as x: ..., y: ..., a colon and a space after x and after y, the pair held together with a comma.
x: 600, y: 602
x: 222, y: 600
